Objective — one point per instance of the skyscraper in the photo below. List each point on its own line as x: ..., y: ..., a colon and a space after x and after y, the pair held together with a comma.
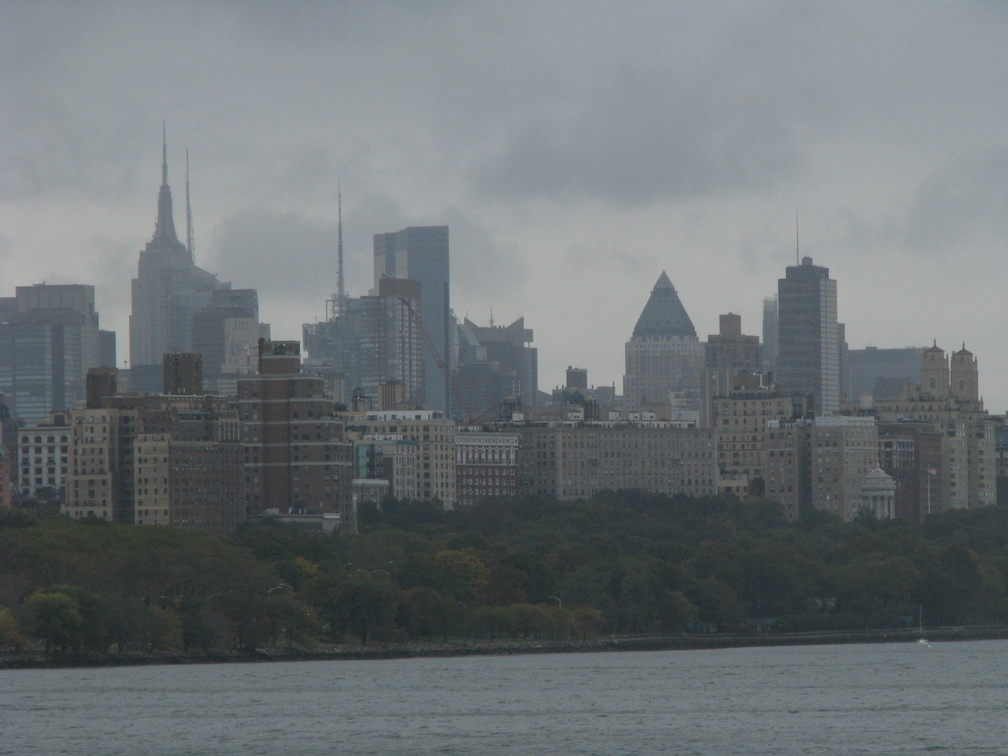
x: 664, y: 355
x: 49, y: 337
x: 809, y: 340
x: 172, y: 297
x: 420, y: 253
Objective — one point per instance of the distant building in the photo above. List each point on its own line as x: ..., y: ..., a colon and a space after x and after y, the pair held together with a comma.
x: 742, y: 422
x: 809, y: 336
x: 496, y: 364
x: 371, y: 341
x: 577, y: 460
x: 878, y: 495
x: 164, y: 459
x: 49, y: 338
x: 664, y: 355
x: 178, y: 306
x: 420, y: 253
x: 954, y: 437
x: 728, y: 355
x: 771, y: 345
x: 883, y: 373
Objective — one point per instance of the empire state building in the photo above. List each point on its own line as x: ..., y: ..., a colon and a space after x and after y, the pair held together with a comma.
x: 168, y: 290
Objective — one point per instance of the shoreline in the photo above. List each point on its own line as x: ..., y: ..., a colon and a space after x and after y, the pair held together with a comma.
x: 457, y: 648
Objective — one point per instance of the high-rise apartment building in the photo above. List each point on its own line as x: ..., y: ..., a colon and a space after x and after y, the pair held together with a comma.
x: 420, y: 253
x: 664, y: 355
x: 297, y: 460
x: 486, y: 466
x: 809, y: 340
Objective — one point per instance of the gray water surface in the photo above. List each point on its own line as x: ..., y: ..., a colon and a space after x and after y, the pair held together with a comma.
x: 879, y: 699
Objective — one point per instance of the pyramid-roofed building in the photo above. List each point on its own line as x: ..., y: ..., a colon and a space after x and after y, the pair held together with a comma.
x: 664, y: 314
x: 664, y: 357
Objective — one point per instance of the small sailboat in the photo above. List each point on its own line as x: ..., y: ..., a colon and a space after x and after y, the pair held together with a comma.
x: 921, y: 640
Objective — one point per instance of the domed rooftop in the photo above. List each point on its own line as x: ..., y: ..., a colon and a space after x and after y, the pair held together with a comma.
x: 664, y: 314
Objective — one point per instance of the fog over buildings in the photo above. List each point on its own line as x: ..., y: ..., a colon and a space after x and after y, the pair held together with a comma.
x: 575, y: 150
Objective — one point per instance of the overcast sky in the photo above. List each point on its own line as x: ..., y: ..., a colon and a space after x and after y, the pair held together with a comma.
x: 575, y: 150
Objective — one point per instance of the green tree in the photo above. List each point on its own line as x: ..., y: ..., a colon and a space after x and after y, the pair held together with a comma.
x: 55, y: 619
x: 362, y: 606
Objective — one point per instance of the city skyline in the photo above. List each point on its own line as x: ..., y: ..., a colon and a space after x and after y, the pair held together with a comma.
x: 570, y: 174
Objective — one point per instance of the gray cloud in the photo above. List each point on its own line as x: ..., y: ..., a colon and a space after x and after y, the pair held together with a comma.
x: 961, y: 204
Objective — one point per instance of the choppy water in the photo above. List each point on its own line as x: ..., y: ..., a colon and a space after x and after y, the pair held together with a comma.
x: 878, y: 699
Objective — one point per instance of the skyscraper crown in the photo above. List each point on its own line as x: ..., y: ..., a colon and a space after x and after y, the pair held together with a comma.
x: 664, y: 314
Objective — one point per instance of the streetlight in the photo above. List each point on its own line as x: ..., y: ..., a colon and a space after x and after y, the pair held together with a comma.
x: 275, y: 587
x: 559, y: 602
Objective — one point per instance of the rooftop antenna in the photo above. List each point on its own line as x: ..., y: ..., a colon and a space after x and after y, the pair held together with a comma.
x: 335, y: 305
x: 340, y: 292
x: 188, y: 211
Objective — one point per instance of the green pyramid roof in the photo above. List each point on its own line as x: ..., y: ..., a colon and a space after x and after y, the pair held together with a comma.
x: 664, y: 314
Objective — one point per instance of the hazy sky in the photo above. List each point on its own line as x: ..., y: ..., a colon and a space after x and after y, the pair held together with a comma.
x: 575, y: 150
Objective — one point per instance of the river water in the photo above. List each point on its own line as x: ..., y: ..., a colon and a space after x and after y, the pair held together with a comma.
x: 874, y: 698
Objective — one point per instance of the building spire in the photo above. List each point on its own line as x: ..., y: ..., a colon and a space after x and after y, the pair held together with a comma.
x: 164, y: 229
x: 164, y: 153
x: 340, y: 290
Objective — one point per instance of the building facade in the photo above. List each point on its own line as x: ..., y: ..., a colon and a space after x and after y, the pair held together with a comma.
x: 297, y: 459
x: 418, y: 449
x: 486, y: 466
x: 577, y: 460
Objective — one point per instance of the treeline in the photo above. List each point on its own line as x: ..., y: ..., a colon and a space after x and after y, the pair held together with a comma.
x: 626, y: 562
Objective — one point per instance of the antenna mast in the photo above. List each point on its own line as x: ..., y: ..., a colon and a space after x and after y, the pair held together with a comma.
x: 188, y: 211
x: 340, y: 291
x: 336, y: 304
